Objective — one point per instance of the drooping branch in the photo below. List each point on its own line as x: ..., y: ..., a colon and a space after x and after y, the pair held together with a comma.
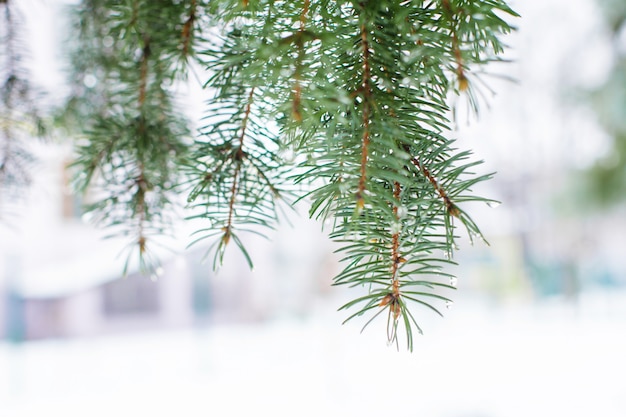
x: 132, y: 152
x: 367, y: 86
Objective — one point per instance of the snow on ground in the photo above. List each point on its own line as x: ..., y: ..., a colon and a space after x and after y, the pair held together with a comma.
x: 549, y: 359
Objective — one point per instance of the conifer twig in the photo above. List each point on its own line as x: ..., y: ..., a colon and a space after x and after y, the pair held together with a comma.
x: 239, y: 155
x: 451, y: 208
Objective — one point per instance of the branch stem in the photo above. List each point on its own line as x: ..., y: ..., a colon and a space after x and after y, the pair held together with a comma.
x: 395, y: 242
x: 366, y: 90
x: 297, y: 89
x: 238, y: 158
x: 456, y: 49
x: 451, y: 208
x: 143, y: 70
x: 188, y: 28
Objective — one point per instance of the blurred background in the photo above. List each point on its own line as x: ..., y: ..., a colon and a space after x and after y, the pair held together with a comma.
x: 538, y: 327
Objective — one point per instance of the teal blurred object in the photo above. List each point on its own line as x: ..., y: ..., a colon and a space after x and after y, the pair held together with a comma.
x: 15, y: 320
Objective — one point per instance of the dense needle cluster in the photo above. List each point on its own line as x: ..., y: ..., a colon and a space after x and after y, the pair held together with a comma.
x: 355, y: 92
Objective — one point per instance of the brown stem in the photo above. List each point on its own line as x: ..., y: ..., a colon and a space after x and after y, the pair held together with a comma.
x: 297, y: 89
x: 451, y: 208
x: 460, y: 72
x: 135, y: 13
x: 188, y: 28
x: 140, y: 211
x: 143, y: 70
x: 366, y: 90
x: 456, y: 49
x: 392, y: 299
x: 395, y: 242
x: 238, y: 158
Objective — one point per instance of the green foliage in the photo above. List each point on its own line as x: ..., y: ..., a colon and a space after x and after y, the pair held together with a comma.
x: 606, y: 180
x: 356, y: 90
x: 134, y: 141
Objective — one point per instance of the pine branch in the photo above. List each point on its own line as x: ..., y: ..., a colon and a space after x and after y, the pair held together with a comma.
x: 135, y: 147
x: 236, y: 174
x: 357, y: 91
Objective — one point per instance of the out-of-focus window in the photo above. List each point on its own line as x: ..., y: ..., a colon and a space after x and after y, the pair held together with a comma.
x: 135, y: 294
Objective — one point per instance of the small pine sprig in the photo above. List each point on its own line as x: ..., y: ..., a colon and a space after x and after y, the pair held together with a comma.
x: 133, y: 143
x: 237, y: 173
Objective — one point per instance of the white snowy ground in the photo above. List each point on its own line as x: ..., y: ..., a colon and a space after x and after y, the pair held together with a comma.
x: 548, y: 360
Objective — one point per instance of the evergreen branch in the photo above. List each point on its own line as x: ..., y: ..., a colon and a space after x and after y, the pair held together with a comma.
x: 357, y: 91
x: 238, y: 150
x: 134, y: 141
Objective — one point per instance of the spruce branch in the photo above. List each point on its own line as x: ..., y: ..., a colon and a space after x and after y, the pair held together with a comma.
x: 237, y: 175
x: 357, y: 91
x: 134, y: 147
x: 238, y: 158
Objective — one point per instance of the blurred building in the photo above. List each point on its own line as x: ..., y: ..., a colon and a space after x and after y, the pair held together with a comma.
x: 59, y: 278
